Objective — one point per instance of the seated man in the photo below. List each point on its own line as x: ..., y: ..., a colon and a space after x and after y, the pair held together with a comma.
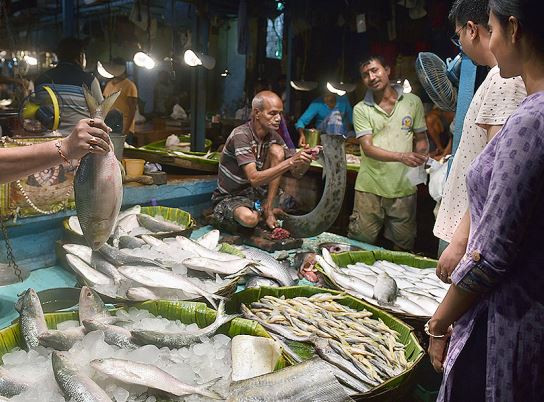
x: 254, y: 156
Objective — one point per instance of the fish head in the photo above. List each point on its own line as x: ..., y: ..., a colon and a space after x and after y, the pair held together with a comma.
x: 89, y: 300
x: 28, y: 301
x: 102, y: 366
x: 98, y: 233
x: 61, y: 361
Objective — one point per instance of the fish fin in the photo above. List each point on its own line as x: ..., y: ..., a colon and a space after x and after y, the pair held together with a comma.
x: 92, y: 104
x: 205, y: 391
x: 108, y: 102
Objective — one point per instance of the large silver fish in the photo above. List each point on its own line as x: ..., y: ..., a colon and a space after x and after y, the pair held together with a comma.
x: 98, y: 185
x: 151, y: 376
x: 177, y: 340
x: 326, y: 211
x: 268, y: 266
x: 75, y: 385
x: 31, y: 319
x: 62, y: 339
x: 309, y: 381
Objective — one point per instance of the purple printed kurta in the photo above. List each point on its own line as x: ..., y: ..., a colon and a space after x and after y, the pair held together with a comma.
x: 504, y: 262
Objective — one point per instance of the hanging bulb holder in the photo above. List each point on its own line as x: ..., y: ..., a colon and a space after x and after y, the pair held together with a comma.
x: 340, y: 88
x: 102, y: 71
x: 303, y: 85
x: 193, y: 59
x: 142, y: 59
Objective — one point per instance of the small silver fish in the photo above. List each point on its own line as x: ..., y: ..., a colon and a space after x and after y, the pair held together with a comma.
x: 385, y: 289
x: 258, y: 281
x: 150, y: 376
x: 10, y: 385
x: 176, y: 340
x: 268, y: 266
x: 31, y: 318
x: 75, y: 385
x: 62, y: 339
x: 158, y: 226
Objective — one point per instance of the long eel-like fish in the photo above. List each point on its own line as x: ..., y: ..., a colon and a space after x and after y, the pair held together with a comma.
x: 326, y: 211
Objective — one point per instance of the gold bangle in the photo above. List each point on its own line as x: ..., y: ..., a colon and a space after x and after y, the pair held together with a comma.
x: 58, y: 144
x: 428, y: 332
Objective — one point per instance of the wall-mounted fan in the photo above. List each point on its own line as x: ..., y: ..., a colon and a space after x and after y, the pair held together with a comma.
x: 439, y: 79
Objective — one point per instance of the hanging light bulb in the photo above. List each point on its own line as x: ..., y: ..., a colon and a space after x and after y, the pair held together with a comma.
x: 193, y: 59
x: 303, y: 85
x: 406, y: 87
x: 142, y: 59
x: 30, y: 60
x: 102, y: 71
x: 225, y: 73
x: 334, y: 90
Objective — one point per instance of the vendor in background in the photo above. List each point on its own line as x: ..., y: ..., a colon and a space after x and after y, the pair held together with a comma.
x: 438, y: 127
x: 255, y: 156
x: 87, y: 136
x: 127, y: 101
x: 390, y: 126
x: 67, y: 80
x: 322, y: 108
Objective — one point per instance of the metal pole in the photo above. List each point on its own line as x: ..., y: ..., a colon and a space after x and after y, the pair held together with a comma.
x: 288, y: 75
x: 198, y: 87
x: 68, y: 26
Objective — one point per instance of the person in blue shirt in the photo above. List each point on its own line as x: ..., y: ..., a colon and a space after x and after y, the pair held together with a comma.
x: 322, y: 108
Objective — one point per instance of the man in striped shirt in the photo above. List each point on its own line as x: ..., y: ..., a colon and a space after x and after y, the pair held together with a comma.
x: 252, y: 162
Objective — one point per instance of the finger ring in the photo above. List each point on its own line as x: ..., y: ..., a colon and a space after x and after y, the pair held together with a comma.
x: 91, y: 122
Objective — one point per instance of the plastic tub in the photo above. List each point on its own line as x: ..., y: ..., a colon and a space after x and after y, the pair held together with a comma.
x: 134, y: 167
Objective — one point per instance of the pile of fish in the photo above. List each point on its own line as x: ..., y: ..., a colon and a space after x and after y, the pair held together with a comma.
x: 362, y: 351
x: 129, y: 356
x: 147, y: 268
x: 400, y: 288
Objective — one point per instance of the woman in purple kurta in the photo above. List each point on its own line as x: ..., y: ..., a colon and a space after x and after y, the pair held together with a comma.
x: 497, y: 297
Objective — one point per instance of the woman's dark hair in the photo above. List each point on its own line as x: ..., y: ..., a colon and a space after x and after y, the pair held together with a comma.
x: 529, y: 14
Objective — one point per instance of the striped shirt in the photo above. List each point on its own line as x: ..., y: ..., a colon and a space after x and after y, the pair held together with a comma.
x: 67, y: 80
x: 241, y: 148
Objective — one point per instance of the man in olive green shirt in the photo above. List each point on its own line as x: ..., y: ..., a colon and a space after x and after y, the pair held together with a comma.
x: 390, y: 126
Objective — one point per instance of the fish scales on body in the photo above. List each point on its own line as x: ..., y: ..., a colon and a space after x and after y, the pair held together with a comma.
x: 98, y: 185
x: 326, y: 211
x: 268, y: 266
x: 10, y: 385
x: 150, y: 376
x: 179, y: 339
x: 31, y: 318
x: 75, y: 385
x: 310, y: 381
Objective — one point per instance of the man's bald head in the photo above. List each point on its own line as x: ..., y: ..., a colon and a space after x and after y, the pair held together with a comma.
x: 265, y: 99
x: 267, y: 110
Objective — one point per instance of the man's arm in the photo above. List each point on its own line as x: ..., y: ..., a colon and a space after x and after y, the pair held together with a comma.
x: 262, y: 177
x: 132, y: 104
x: 421, y: 145
x: 411, y: 159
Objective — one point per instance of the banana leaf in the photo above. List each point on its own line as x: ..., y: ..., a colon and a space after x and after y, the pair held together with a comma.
x: 391, y: 390
x: 161, y: 145
x: 370, y: 257
x: 186, y: 312
x: 230, y: 249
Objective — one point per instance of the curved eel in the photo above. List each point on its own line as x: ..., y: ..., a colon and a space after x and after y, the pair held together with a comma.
x: 326, y: 211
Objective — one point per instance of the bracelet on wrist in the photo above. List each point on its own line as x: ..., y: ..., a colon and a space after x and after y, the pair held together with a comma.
x: 58, y: 144
x: 428, y: 332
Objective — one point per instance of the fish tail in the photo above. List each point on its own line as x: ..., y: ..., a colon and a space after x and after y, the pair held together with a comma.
x: 205, y: 391
x: 99, y: 109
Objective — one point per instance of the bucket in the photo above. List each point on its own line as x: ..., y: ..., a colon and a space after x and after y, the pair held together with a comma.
x: 118, y: 141
x: 134, y: 167
x: 312, y: 137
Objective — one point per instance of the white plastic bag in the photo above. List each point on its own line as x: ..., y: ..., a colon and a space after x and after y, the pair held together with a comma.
x: 178, y: 113
x: 417, y: 175
x: 437, y: 173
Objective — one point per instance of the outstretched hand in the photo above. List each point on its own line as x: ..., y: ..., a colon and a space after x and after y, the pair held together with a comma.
x: 89, y: 135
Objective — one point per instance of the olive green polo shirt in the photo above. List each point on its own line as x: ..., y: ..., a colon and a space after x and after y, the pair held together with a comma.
x: 392, y: 132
